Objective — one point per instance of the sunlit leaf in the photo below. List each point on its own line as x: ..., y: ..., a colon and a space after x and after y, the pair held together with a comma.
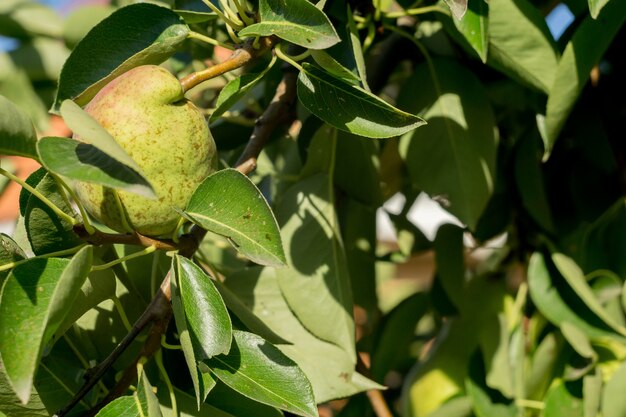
x: 34, y: 302
x: 133, y: 35
x: 520, y: 43
x: 296, y: 21
x: 317, y: 263
x: 229, y: 204
x: 87, y: 163
x: 257, y: 369
x: 351, y: 108
x: 452, y: 158
x: 329, y: 368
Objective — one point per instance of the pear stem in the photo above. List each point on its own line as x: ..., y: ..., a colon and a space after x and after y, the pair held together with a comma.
x: 238, y: 59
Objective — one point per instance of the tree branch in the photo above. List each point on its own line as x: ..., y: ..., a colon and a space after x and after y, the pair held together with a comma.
x: 278, y: 112
x: 99, y: 238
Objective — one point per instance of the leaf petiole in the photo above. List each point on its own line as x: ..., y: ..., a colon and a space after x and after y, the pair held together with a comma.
x: 287, y: 58
x: 83, y: 213
x: 143, y: 252
x: 209, y: 40
x: 64, y: 252
x: 242, y: 9
x: 417, y: 11
x: 227, y: 20
x: 158, y: 358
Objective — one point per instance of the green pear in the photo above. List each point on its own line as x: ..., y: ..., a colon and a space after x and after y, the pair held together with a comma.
x: 146, y: 112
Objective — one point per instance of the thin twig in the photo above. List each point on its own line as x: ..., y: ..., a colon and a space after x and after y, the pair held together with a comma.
x: 237, y: 59
x: 278, y: 112
x: 158, y: 306
x: 376, y: 398
x: 99, y: 238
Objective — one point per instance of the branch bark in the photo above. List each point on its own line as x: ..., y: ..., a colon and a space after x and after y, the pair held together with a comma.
x: 278, y: 112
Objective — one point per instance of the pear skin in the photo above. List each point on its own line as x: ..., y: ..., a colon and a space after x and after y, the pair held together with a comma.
x: 146, y: 112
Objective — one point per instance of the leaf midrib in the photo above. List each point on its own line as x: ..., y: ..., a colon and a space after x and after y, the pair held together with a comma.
x: 236, y: 370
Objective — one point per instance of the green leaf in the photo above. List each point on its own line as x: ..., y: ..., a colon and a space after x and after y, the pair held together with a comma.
x: 397, y: 334
x: 46, y: 231
x: 201, y: 384
x: 235, y: 89
x: 450, y: 260
x: 34, y: 302
x: 135, y: 35
x: 529, y: 178
x: 613, y: 399
x: 205, y: 312
x: 81, y: 20
x: 457, y: 7
x: 19, y: 89
x: 146, y: 397
x: 520, y: 43
x: 595, y: 6
x: 260, y: 371
x: 251, y: 321
x: 592, y: 393
x: 454, y: 156
x: 357, y: 49
x: 33, y: 180
x: 296, y: 21
x: 317, y: 262
x: 474, y: 25
x: 545, y: 293
x: 41, y: 58
x: 330, y: 64
x: 582, y: 53
x: 227, y: 399
x: 122, y: 407
x: 576, y: 279
x: 87, y: 129
x: 87, y: 163
x: 229, y: 204
x: 578, y: 340
x: 329, y: 368
x: 483, y: 405
x: 494, y: 343
x: 17, y: 133
x: 560, y: 401
x: 98, y: 287
x: 351, y: 108
x: 24, y: 19
x: 9, y: 251
x: 13, y: 407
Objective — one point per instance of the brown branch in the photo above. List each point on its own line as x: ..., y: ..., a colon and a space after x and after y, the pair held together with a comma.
x: 278, y: 112
x: 99, y: 238
x: 238, y: 59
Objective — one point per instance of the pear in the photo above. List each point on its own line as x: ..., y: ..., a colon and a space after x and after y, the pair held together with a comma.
x: 146, y: 112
